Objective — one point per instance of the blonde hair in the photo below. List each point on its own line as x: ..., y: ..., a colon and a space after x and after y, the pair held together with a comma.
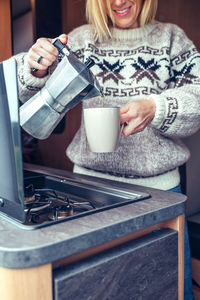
x: 96, y: 14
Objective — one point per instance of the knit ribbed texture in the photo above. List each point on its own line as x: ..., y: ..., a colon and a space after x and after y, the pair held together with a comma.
x: 160, y: 111
x: 162, y: 182
x: 130, y: 34
x: 29, y: 84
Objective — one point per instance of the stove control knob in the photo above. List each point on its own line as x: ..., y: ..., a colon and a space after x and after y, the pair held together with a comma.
x: 1, y: 202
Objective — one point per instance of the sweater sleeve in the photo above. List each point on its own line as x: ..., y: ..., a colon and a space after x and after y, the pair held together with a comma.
x: 28, y: 84
x: 178, y: 107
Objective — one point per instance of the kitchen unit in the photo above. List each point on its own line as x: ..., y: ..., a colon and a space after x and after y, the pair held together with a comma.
x: 67, y: 235
x: 114, y: 253
x: 129, y: 251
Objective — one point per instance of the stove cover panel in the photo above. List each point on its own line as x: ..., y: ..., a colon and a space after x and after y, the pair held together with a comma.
x: 11, y: 182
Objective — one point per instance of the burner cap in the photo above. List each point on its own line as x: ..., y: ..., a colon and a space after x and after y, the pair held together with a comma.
x: 61, y: 212
x: 29, y: 194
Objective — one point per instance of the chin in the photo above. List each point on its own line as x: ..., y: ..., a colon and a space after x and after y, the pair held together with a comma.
x: 125, y: 26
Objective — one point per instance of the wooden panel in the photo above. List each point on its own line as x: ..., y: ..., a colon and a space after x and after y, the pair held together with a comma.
x: 73, y: 14
x: 26, y: 284
x: 5, y: 30
x: 52, y: 150
x: 33, y: 18
x: 196, y: 292
x: 179, y: 225
x: 196, y: 270
x: 183, y: 13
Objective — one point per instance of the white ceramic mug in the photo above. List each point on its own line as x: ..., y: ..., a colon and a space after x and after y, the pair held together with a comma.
x: 102, y: 126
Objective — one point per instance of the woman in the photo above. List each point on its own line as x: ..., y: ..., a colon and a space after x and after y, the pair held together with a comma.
x: 151, y: 70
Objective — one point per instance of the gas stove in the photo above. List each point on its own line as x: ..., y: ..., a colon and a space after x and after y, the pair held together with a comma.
x: 45, y: 204
x: 51, y: 199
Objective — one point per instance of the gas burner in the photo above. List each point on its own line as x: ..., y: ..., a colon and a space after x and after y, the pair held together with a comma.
x: 43, y: 205
x: 29, y: 194
x: 61, y: 212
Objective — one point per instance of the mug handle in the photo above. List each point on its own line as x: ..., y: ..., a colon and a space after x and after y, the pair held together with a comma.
x: 124, y: 124
x: 121, y: 127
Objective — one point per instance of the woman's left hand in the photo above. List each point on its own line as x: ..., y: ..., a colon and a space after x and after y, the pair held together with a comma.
x: 137, y: 115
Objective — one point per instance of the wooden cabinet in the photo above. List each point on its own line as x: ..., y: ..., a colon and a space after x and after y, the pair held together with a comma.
x: 146, y: 263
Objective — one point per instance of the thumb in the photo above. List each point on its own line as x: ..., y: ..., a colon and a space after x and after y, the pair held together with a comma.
x: 63, y: 38
x: 124, y: 109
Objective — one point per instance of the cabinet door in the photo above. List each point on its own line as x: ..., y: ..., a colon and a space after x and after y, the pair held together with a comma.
x: 143, y: 269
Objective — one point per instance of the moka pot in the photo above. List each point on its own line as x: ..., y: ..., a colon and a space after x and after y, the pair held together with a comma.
x: 71, y: 82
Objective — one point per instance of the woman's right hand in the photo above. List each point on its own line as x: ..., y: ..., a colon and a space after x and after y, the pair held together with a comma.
x: 45, y: 49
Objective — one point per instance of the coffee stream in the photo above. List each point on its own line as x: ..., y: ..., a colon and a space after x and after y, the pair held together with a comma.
x: 102, y: 98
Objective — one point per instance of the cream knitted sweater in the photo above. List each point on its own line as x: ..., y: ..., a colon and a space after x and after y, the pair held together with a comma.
x: 157, y: 61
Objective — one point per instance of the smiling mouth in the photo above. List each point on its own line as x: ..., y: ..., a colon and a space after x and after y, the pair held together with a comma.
x: 123, y: 12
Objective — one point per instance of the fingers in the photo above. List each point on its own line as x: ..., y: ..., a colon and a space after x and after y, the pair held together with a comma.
x: 132, y: 128
x: 128, y: 112
x: 42, y: 48
x: 137, y: 115
x: 124, y: 109
x: 63, y: 38
x: 45, y: 49
x: 127, y: 119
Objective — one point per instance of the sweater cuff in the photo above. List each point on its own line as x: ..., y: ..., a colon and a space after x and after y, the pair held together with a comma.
x: 160, y: 111
x: 31, y: 80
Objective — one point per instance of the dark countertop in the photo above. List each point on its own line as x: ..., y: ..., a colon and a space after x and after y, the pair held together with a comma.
x: 21, y: 248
